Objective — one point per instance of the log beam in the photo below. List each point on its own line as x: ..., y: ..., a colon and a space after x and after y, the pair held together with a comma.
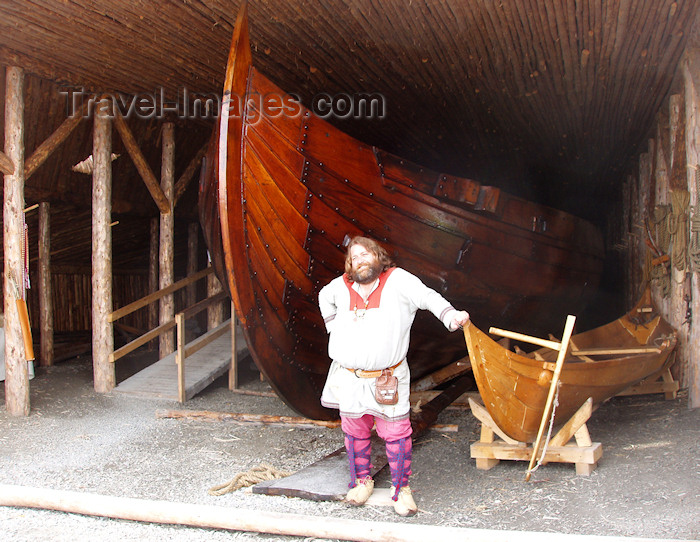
x: 45, y: 150
x: 186, y: 178
x: 102, y: 328
x: 16, y: 370
x: 7, y: 166
x: 159, y: 197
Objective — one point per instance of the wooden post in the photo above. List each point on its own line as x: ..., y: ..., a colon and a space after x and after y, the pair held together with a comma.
x: 167, y: 234
x: 691, y: 78
x: 153, y: 277
x: 45, y: 291
x: 680, y: 279
x: 192, y: 251
x: 180, y: 357
x: 16, y: 373
x: 233, y: 371
x: 215, y: 313
x: 102, y: 328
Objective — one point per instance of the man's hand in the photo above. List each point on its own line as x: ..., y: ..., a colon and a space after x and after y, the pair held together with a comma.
x: 458, y: 320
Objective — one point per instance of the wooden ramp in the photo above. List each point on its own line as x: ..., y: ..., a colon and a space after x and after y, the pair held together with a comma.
x: 159, y: 381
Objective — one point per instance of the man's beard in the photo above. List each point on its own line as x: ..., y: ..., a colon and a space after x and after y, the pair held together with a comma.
x: 367, y: 273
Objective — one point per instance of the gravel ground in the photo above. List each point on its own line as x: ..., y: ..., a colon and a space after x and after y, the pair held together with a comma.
x: 646, y: 485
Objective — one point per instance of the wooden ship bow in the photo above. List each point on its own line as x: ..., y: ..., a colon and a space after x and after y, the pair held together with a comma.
x: 280, y: 191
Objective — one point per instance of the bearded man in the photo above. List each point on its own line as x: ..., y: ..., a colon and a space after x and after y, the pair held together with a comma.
x: 368, y: 312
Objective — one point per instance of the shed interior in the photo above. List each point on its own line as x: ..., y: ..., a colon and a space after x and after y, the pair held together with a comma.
x: 553, y: 101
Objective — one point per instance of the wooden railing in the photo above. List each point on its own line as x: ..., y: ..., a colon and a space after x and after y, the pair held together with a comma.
x: 183, y: 350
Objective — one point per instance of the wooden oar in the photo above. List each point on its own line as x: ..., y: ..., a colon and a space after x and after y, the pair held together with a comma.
x: 568, y: 330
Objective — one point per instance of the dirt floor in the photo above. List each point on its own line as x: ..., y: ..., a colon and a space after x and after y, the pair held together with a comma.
x: 647, y: 483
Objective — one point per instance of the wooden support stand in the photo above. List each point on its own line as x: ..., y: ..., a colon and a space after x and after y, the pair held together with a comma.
x: 584, y: 454
x: 661, y: 382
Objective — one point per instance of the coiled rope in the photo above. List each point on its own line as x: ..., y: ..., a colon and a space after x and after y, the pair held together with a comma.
x: 261, y: 473
x: 678, y: 228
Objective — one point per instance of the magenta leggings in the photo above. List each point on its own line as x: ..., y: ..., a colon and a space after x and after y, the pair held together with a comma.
x: 361, y: 428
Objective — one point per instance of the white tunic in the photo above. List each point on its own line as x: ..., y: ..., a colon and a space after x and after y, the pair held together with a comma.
x: 373, y: 338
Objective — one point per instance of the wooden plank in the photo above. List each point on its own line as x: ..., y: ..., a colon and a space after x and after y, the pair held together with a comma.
x: 326, y: 479
x: 616, y: 351
x: 555, y: 454
x: 160, y: 380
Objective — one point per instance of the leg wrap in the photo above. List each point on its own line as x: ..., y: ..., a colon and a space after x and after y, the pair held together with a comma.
x: 359, y: 456
x: 399, y: 455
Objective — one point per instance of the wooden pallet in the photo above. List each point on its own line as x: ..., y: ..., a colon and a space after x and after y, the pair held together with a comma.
x: 584, y: 453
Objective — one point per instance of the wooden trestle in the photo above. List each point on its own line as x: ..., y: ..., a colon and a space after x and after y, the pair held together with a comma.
x: 584, y: 453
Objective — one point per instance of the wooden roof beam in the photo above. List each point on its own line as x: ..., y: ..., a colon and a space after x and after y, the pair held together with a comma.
x: 51, y: 143
x: 142, y: 166
x: 7, y: 166
x: 184, y: 181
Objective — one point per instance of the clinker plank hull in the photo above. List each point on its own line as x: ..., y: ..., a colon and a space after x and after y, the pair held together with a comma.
x: 279, y: 193
x: 514, y: 387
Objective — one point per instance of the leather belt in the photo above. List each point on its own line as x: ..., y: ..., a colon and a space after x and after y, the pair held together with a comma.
x: 361, y: 373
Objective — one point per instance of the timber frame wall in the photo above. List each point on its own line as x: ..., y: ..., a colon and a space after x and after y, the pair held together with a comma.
x: 658, y: 235
x: 99, y: 293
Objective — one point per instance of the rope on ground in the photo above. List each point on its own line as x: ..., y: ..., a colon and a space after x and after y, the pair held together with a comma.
x: 261, y: 473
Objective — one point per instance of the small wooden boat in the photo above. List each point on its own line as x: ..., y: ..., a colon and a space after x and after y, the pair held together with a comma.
x: 600, y: 363
x: 280, y: 191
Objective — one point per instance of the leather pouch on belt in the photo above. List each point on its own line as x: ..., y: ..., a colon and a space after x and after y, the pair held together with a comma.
x: 386, y: 390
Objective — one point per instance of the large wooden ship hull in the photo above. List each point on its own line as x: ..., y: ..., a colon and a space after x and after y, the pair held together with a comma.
x: 280, y: 193
x: 514, y: 387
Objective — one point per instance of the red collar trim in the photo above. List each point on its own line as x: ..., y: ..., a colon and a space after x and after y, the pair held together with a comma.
x: 374, y: 298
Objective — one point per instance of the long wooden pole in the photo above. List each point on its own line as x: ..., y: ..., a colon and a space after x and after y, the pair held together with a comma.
x: 167, y: 235
x: 568, y: 330
x: 45, y: 290
x: 102, y: 328
x: 261, y: 521
x: 16, y: 371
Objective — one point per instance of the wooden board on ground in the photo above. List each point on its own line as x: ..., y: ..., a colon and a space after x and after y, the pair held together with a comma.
x: 325, y: 480
x: 159, y: 380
